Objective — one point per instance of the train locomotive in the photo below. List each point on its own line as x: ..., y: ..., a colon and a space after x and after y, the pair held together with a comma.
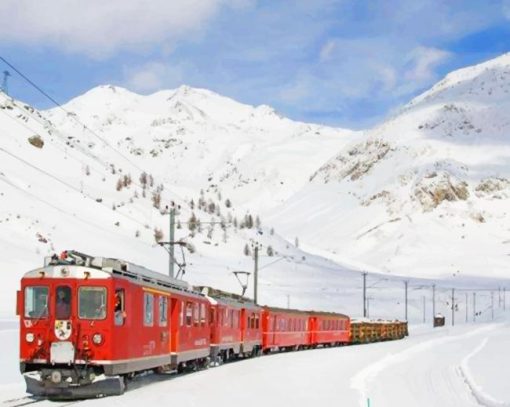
x: 89, y: 324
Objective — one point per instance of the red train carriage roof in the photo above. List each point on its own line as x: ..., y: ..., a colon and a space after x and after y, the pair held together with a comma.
x: 217, y: 296
x: 310, y: 313
x: 79, y: 265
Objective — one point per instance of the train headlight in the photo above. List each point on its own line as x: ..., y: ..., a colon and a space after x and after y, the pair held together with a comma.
x: 97, y: 339
x: 29, y: 337
x: 56, y: 376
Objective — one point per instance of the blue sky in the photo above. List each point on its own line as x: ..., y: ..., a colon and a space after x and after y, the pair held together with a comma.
x: 347, y: 63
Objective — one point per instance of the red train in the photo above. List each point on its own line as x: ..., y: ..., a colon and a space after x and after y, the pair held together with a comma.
x: 87, y: 324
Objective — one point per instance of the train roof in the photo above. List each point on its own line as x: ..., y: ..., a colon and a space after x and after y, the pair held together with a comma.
x: 76, y: 264
x: 309, y: 312
x: 223, y: 297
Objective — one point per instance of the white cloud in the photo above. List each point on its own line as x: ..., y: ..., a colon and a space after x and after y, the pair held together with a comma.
x: 506, y: 9
x: 327, y: 50
x: 100, y: 28
x: 424, y: 60
x: 154, y: 76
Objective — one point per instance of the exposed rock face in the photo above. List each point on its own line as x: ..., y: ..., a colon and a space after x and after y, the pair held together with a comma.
x: 36, y: 141
x: 354, y: 164
x: 436, y: 187
x: 493, y: 188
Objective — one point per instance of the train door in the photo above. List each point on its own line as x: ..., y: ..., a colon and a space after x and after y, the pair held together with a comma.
x: 163, y: 340
x: 123, y: 317
x: 64, y: 307
x: 176, y: 318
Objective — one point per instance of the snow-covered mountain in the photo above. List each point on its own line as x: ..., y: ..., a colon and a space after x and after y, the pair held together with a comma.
x: 424, y: 193
x: 195, y: 139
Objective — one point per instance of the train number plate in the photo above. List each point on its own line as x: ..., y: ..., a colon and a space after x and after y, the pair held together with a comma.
x: 62, y: 352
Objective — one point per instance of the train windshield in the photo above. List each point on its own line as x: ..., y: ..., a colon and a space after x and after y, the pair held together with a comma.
x: 36, y: 302
x: 92, y: 303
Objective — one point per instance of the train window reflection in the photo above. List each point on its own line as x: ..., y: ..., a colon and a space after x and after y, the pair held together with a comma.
x: 92, y: 303
x: 36, y: 302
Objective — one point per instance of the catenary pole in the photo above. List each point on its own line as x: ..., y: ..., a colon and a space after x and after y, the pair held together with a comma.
x: 171, y: 249
x: 474, y: 306
x: 365, y: 294
x: 433, y: 302
x: 256, y: 273
x: 405, y: 310
x: 453, y: 306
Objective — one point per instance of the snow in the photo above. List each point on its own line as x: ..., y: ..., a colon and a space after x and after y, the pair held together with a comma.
x: 425, y: 369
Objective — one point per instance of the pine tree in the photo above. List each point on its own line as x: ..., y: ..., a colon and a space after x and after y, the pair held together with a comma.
x: 228, y: 204
x: 119, y: 184
x: 257, y: 222
x: 246, y: 250
x: 270, y: 251
x: 143, y: 179
x: 296, y: 242
x: 158, y: 235
x: 192, y: 222
x: 156, y: 200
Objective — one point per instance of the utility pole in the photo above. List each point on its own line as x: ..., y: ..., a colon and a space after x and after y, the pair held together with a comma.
x: 433, y: 302
x: 474, y: 306
x: 453, y: 306
x: 504, y: 298
x: 466, y: 308
x: 405, y: 285
x: 492, y: 304
x: 365, y: 294
x: 171, y: 250
x: 256, y: 273
x: 424, y: 320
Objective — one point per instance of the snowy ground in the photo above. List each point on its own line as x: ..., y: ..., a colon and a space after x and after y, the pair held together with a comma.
x: 459, y: 366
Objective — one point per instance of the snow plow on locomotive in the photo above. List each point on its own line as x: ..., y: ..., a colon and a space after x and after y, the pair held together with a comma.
x: 88, y: 324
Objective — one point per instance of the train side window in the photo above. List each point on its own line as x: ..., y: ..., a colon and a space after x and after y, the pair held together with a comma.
x: 148, y: 309
x: 189, y: 314
x: 231, y: 318
x: 225, y: 318
x: 211, y: 316
x: 36, y: 302
x: 163, y: 310
x: 256, y: 322
x: 202, y: 315
x: 119, y: 308
x: 195, y: 314
x: 182, y: 313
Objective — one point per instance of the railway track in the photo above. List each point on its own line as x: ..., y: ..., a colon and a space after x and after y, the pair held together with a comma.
x: 30, y: 400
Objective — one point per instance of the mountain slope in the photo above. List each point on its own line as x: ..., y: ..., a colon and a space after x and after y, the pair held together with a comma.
x: 426, y: 192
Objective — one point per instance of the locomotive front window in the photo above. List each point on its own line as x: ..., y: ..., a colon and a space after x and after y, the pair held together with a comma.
x: 92, y: 303
x: 36, y: 302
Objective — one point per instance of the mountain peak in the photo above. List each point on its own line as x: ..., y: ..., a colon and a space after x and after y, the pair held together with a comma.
x: 489, y: 79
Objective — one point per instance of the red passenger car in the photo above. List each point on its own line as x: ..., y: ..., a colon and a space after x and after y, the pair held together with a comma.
x: 327, y: 328
x: 285, y: 329
x: 235, y: 325
x: 84, y: 319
